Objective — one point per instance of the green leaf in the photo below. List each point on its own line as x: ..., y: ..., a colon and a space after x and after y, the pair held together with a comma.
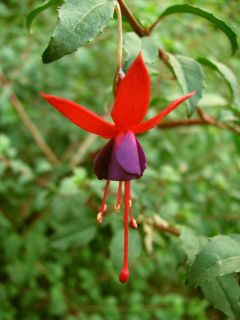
x: 132, y: 44
x: 190, y: 76
x: 235, y: 236
x: 149, y: 50
x: 191, y: 243
x: 220, y: 256
x: 210, y: 100
x: 116, y: 247
x: 185, y: 8
x: 79, y: 21
x: 35, y: 12
x: 224, y: 294
x: 226, y: 74
x: 74, y: 234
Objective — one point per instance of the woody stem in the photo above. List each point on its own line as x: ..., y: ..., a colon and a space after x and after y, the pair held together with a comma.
x: 139, y: 30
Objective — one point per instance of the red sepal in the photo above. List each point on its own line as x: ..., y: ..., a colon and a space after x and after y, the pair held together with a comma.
x: 149, y: 124
x: 133, y: 95
x: 81, y: 116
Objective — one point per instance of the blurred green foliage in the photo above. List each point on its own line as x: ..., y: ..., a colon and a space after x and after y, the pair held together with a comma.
x: 54, y: 259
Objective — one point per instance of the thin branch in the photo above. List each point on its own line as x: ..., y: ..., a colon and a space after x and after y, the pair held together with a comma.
x: 214, y: 122
x: 194, y: 122
x: 167, y: 228
x: 156, y: 222
x: 163, y: 55
x: 169, y: 124
x: 142, y: 32
x: 33, y: 130
x: 150, y: 29
x: 204, y: 120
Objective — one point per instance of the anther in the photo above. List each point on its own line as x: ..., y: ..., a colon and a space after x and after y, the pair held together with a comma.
x: 100, y: 217
x: 133, y: 224
x: 117, y: 208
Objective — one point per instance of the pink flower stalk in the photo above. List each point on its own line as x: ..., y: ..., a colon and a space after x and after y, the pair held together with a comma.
x: 122, y: 158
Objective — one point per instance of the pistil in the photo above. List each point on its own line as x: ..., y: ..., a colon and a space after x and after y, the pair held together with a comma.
x: 124, y: 274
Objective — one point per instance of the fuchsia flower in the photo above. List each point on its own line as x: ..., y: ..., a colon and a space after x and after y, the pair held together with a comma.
x: 122, y: 158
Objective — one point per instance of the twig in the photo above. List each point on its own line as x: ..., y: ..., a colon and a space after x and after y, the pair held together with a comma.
x: 168, y: 229
x: 193, y: 122
x: 156, y: 222
x: 214, y: 122
x: 150, y: 29
x: 163, y: 55
x: 142, y: 32
x: 204, y: 120
x: 168, y: 124
x: 17, y: 105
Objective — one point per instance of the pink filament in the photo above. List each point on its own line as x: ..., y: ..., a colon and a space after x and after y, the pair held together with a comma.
x: 119, y: 196
x: 133, y: 222
x: 103, y: 206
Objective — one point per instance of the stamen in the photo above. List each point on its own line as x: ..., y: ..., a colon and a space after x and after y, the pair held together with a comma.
x: 124, y: 274
x: 103, y: 208
x: 133, y: 222
x: 119, y: 196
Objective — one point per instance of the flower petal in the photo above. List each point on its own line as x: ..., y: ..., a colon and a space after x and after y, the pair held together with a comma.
x: 81, y: 116
x: 102, y: 160
x: 142, y: 157
x: 149, y: 124
x: 121, y: 159
x: 133, y: 95
x: 127, y: 153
